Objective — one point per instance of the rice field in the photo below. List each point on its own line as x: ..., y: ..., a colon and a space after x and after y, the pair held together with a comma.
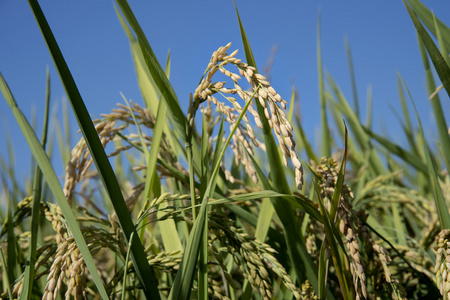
x: 230, y: 200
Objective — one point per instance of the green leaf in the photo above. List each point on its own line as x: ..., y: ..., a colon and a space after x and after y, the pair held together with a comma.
x: 326, y: 137
x: 300, y: 259
x: 438, y: 112
x: 290, y: 114
x: 428, y: 19
x: 147, y: 85
x: 335, y: 255
x: 99, y: 157
x: 442, y: 210
x: 156, y: 71
x: 27, y: 284
x: 369, y: 108
x: 439, y: 62
x: 11, y: 259
x: 5, y: 273
x: 323, y: 272
x: 44, y: 164
x: 404, y: 154
x: 305, y: 142
x: 185, y: 276
x: 169, y: 233
x: 359, y: 134
x: 407, y: 127
x: 352, y: 77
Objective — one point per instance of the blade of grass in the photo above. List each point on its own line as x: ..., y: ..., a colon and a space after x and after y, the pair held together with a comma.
x: 442, y: 210
x: 358, y: 159
x: 340, y: 181
x: 27, y: 283
x: 146, y: 83
x: 300, y: 259
x: 404, y: 154
x: 352, y: 77
x: 298, y: 202
x: 324, y: 263
x: 105, y: 171
x: 369, y: 107
x: 359, y: 134
x: 290, y: 114
x: 438, y: 112
x: 11, y: 171
x: 44, y: 164
x: 59, y: 127
x: 264, y: 217
x: 169, y: 233
x: 219, y: 145
x: 305, y: 142
x: 202, y: 277
x: 185, y: 276
x: 330, y: 220
x: 441, y: 124
x: 11, y: 258
x: 407, y: 127
x: 335, y: 255
x: 326, y: 137
x: 157, y: 73
x: 427, y: 18
x: 163, y: 84
x: 5, y: 273
x: 441, y: 40
x: 439, y: 62
x: 65, y: 111
x: 125, y: 269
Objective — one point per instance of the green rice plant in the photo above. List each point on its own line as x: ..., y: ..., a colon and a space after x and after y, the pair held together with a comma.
x: 189, y: 211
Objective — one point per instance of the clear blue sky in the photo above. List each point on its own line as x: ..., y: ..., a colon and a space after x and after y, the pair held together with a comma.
x: 381, y: 35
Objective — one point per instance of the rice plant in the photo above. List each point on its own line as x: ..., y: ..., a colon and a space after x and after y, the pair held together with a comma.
x: 230, y: 201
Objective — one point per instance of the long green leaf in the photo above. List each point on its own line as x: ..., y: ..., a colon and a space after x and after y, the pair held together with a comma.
x: 181, y: 288
x: 11, y: 259
x: 105, y: 171
x: 202, y: 277
x: 5, y: 273
x: 407, y: 127
x: 44, y: 164
x: 147, y: 85
x: 156, y: 71
x: 169, y: 234
x: 352, y: 77
x: 360, y: 135
x: 369, y: 108
x: 333, y: 246
x: 305, y: 142
x: 441, y: 206
x: 27, y: 284
x: 427, y: 18
x: 324, y: 263
x: 438, y: 112
x: 441, y: 40
x: 404, y: 154
x: 162, y: 83
x: 326, y: 136
x: 300, y: 259
x: 439, y: 62
x: 329, y: 222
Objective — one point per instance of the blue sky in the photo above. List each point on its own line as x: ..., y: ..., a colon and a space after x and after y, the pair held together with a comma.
x: 380, y: 33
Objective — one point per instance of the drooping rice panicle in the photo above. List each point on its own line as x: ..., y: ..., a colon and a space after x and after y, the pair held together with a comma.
x: 442, y: 266
x: 266, y: 96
